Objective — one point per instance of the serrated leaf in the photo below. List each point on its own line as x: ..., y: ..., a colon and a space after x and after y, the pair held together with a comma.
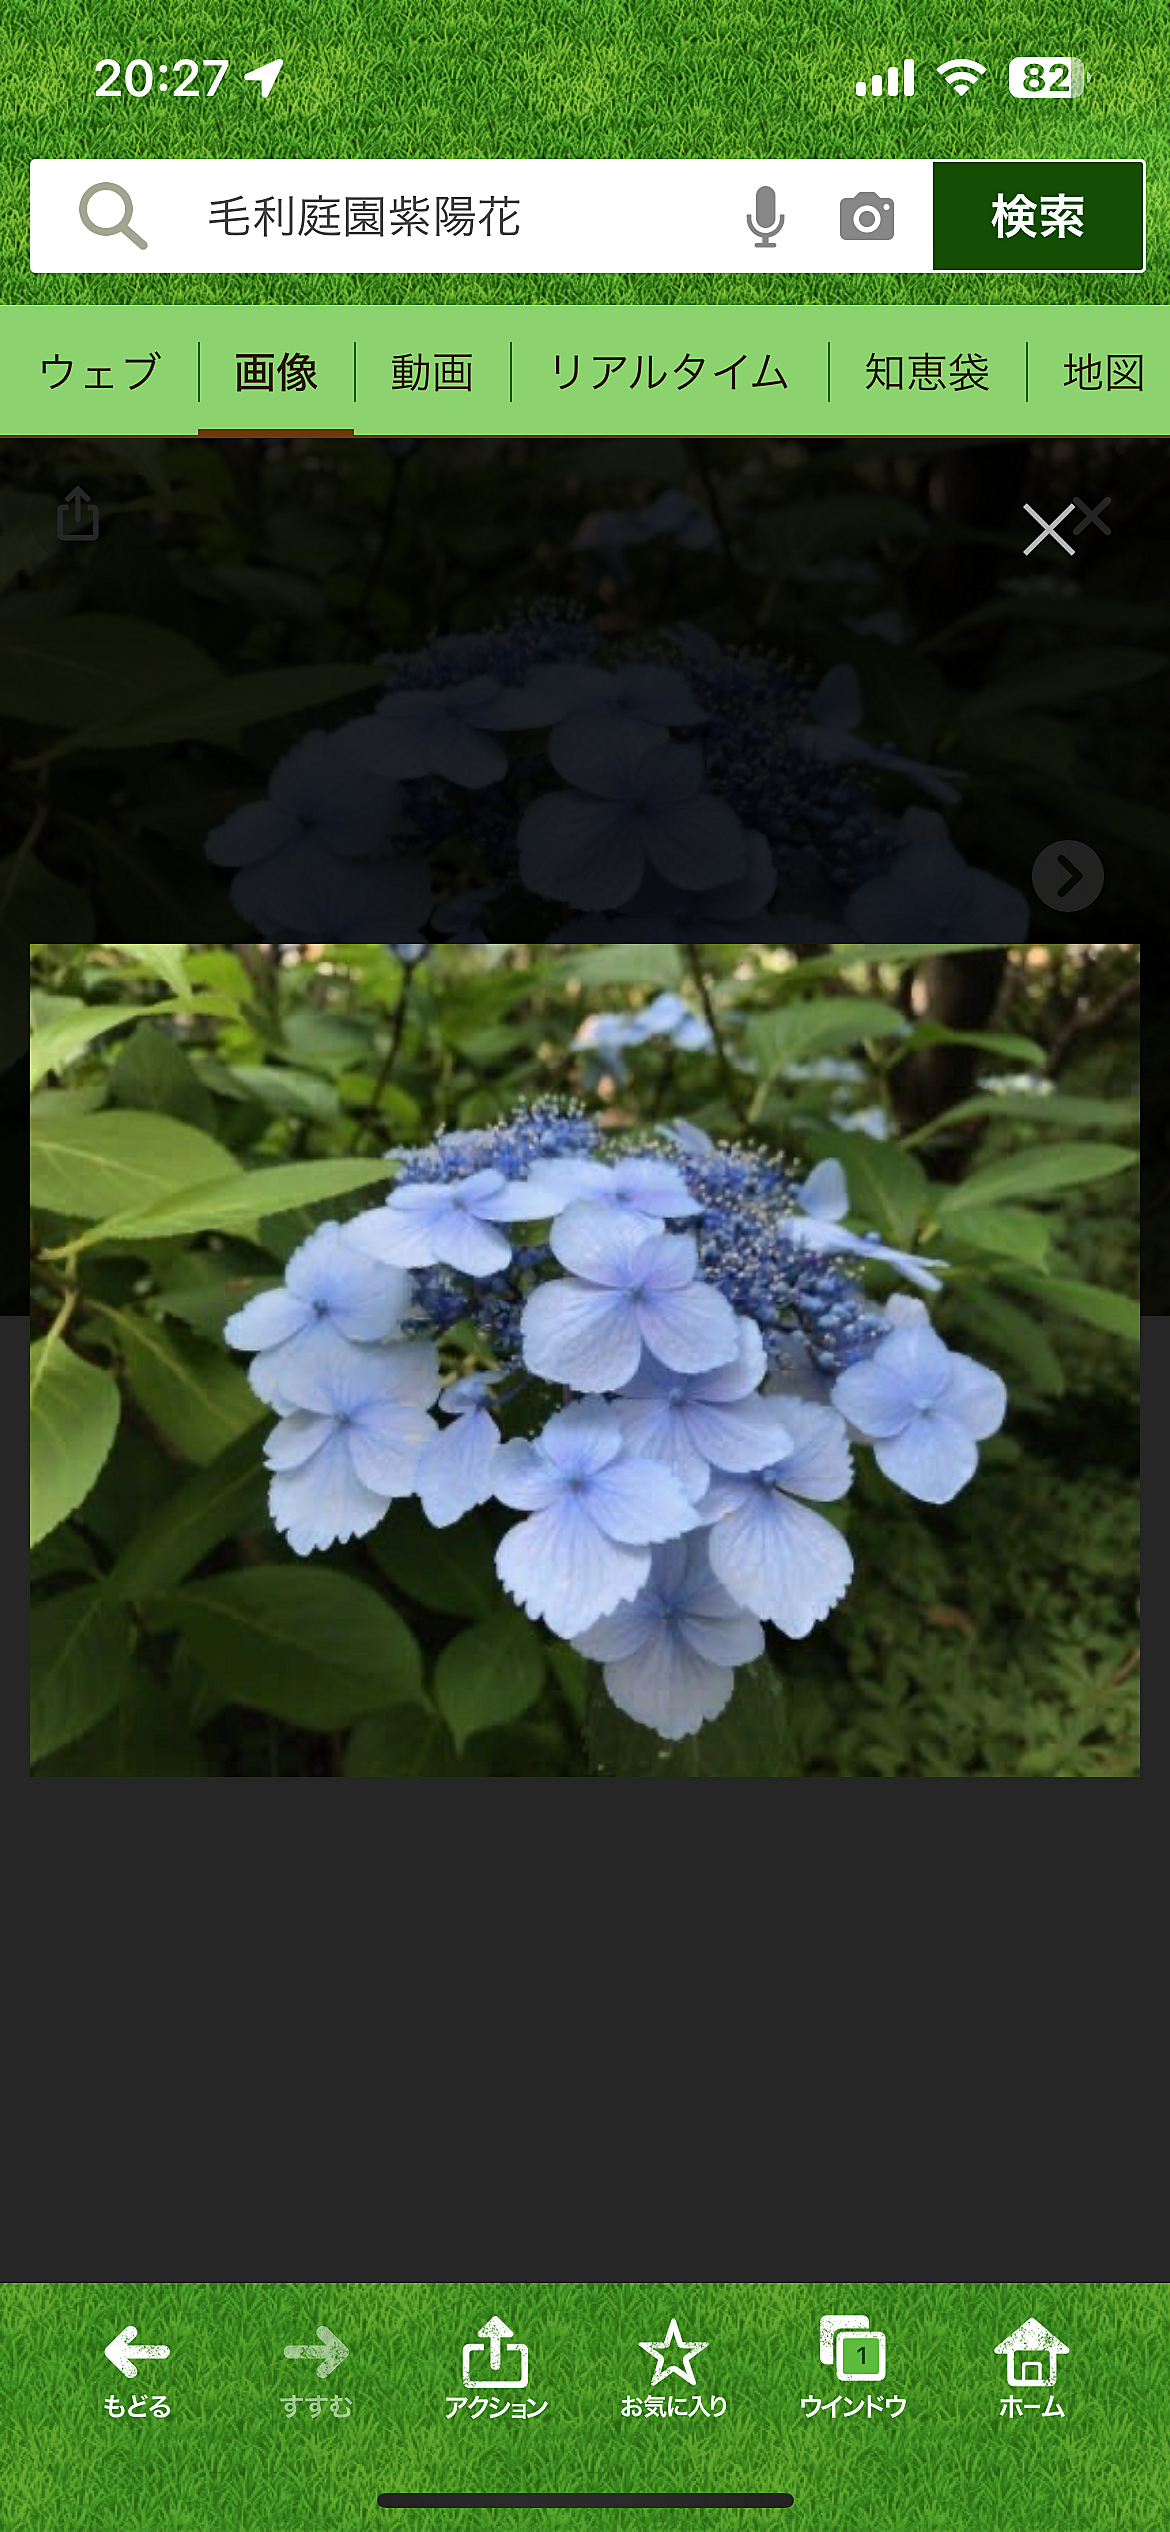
x: 1006, y: 1334
x: 405, y: 1741
x: 73, y: 1417
x: 58, y: 1042
x: 241, y: 1202
x: 152, y: 1072
x: 450, y: 1570
x: 218, y: 707
x: 491, y: 1673
x: 1057, y: 679
x: 1004, y: 1230
x: 118, y: 1161
x: 651, y: 963
x: 80, y: 1665
x: 888, y: 1188
x: 161, y: 958
x: 317, y: 1649
x: 798, y: 1030
x: 1040, y: 1171
x: 1113, y: 1311
x: 224, y: 1500
x: 191, y: 1389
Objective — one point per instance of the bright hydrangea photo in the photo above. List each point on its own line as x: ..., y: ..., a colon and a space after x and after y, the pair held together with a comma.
x: 690, y: 1364
x: 602, y: 1358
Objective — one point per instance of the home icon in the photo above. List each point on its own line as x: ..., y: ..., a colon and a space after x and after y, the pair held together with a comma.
x: 1028, y: 2350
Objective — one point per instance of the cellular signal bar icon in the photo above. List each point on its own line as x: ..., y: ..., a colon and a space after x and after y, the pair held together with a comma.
x: 874, y: 87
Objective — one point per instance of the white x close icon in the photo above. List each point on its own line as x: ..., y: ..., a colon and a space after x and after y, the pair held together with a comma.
x: 1048, y: 527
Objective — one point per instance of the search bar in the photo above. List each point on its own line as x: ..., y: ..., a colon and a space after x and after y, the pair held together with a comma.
x: 489, y: 215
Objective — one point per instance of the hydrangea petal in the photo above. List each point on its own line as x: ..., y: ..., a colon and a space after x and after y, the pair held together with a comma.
x: 639, y: 1503
x: 581, y: 1335
x: 562, y: 1568
x: 385, y: 1445
x: 932, y: 1460
x: 457, y: 1469
x: 819, y: 1463
x: 746, y: 1434
x: 270, y: 1318
x: 295, y: 1438
x: 781, y: 1561
x: 669, y: 1687
x: 976, y: 1396
x: 323, y: 1502
x: 689, y: 1330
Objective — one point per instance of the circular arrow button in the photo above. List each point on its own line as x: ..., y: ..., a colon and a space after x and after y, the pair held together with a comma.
x: 1068, y: 876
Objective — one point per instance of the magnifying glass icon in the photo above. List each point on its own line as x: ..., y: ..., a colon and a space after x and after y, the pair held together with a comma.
x: 121, y: 228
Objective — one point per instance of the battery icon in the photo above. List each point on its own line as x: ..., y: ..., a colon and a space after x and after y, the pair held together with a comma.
x: 1051, y: 75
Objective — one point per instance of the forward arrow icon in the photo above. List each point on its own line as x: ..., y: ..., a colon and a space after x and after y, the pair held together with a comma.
x: 331, y: 2349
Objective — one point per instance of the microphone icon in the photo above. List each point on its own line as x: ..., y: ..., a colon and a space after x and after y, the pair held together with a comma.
x: 768, y: 221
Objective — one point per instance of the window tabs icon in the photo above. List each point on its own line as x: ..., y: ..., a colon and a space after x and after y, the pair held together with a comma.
x: 857, y: 2353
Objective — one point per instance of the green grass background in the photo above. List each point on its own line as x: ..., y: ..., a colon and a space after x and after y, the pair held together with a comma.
x: 581, y: 78
x: 228, y: 2455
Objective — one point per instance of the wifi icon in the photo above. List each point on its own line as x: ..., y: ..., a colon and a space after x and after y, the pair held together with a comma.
x: 962, y: 75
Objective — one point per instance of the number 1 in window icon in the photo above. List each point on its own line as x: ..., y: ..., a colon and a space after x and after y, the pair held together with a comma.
x: 857, y: 2352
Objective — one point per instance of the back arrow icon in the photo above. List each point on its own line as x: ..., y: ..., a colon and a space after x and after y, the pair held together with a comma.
x: 118, y: 2351
x: 331, y: 2348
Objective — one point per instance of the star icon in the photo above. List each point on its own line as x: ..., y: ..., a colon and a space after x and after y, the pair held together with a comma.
x: 686, y: 2348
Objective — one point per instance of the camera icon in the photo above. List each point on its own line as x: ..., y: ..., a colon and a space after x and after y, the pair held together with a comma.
x: 857, y: 2353
x: 867, y: 215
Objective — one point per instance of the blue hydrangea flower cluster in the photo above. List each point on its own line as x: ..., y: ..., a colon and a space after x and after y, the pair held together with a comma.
x: 680, y: 1332
x: 682, y: 791
x: 605, y: 1038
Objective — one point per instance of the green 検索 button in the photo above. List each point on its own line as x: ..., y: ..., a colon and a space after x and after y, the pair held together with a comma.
x: 1037, y: 215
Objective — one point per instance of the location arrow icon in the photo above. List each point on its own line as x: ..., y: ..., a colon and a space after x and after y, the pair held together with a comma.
x: 331, y: 2348
x: 268, y: 74
x: 118, y: 2351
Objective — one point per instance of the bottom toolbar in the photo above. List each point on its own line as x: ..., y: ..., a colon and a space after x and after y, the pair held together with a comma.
x: 425, y: 371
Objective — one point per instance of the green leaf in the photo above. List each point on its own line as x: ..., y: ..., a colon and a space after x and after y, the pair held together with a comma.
x: 1006, y: 1230
x: 1039, y: 1171
x: 1058, y: 678
x: 227, y: 1499
x: 798, y: 1030
x: 888, y: 1189
x: 654, y: 963
x: 1005, y: 1334
x: 317, y: 1649
x: 239, y: 1203
x: 1021, y: 1050
x: 750, y: 1738
x: 91, y: 1167
x: 194, y: 1393
x: 147, y: 1734
x: 284, y: 1091
x: 161, y: 958
x: 59, y: 1041
x: 67, y: 670
x: 1056, y: 1107
x: 152, y: 1072
x: 73, y: 1417
x: 1113, y: 1311
x: 491, y: 1673
x: 80, y: 1665
x: 450, y: 1570
x: 216, y: 707
x: 405, y: 1741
